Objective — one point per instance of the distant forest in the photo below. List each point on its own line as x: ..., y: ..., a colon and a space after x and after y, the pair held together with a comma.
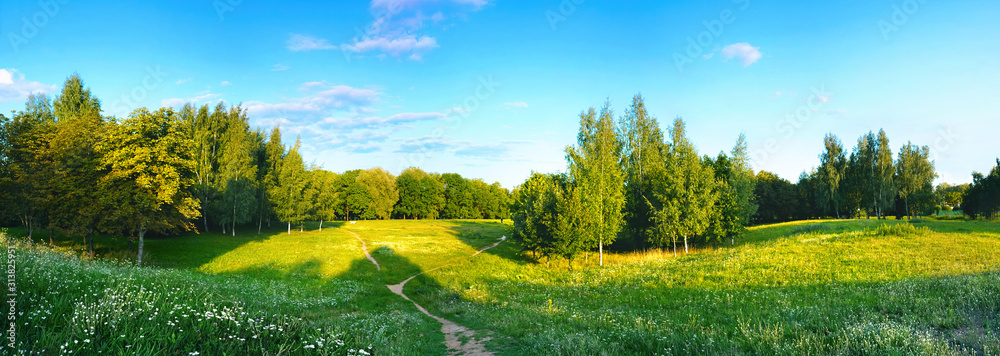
x: 66, y: 167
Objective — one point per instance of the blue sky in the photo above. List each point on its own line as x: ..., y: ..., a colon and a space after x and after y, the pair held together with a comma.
x: 491, y: 89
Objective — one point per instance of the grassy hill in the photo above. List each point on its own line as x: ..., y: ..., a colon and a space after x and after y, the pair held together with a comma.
x: 817, y: 287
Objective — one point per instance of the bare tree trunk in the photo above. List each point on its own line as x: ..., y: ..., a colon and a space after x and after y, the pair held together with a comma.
x: 142, y: 234
x: 321, y: 225
x: 204, y: 217
x: 685, y: 245
x: 289, y: 227
x: 90, y: 244
x: 675, y: 248
x: 51, y: 243
x: 259, y: 223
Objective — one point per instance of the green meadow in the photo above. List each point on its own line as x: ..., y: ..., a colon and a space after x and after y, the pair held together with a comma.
x: 801, y: 288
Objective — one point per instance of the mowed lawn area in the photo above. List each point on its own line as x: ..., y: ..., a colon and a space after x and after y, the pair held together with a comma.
x: 811, y: 287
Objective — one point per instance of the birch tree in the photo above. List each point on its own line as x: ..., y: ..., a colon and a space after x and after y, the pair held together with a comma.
x: 596, y: 170
x: 914, y: 173
x: 833, y: 165
x: 686, y: 190
x: 642, y: 159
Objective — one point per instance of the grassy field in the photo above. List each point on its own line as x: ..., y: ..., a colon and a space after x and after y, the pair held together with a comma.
x: 816, y: 287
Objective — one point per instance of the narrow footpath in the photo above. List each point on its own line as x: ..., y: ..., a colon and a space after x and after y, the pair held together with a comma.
x: 364, y: 247
x: 453, y: 332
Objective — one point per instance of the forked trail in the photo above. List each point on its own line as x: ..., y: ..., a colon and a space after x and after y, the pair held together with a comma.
x: 452, y: 331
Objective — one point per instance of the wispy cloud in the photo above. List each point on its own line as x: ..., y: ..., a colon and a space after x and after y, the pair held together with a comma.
x: 394, y: 46
x: 517, y: 105
x: 400, y: 4
x: 225, y: 83
x: 743, y: 52
x: 373, y: 121
x: 200, y: 98
x: 279, y: 67
x: 395, y: 29
x: 182, y: 81
x: 298, y: 42
x: 13, y: 87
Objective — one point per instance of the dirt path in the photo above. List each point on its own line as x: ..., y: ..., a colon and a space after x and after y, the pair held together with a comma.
x: 452, y: 332
x: 364, y: 247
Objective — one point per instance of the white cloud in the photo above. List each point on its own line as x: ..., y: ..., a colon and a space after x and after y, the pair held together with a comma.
x: 225, y: 83
x: 201, y: 98
x: 400, y: 4
x: 743, y: 52
x: 517, y: 105
x: 13, y: 87
x: 182, y: 81
x: 324, y: 99
x: 307, y: 43
x: 378, y: 121
x: 395, y: 29
x: 394, y: 46
x: 279, y: 67
x: 172, y: 102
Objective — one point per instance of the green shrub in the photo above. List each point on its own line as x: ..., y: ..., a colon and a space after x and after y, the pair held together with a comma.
x: 898, y: 230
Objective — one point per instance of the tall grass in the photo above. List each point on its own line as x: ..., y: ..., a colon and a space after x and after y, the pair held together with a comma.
x: 70, y: 306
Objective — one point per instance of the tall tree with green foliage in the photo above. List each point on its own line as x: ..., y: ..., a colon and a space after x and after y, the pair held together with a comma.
x: 596, y: 171
x: 861, y: 193
x: 735, y: 183
x: 150, y: 170
x: 642, y: 159
x: 274, y: 154
x: 458, y: 197
x: 885, y: 171
x: 533, y: 209
x: 573, y: 220
x: 26, y: 169
x: 76, y: 164
x: 325, y: 183
x: 777, y: 198
x: 291, y: 194
x: 982, y: 199
x: 914, y: 174
x: 831, y: 172
x: 421, y: 196
x: 381, y: 186
x: 686, y: 190
x: 742, y: 181
x: 237, y: 172
x: 502, y: 200
x: 207, y: 130
x: 484, y: 203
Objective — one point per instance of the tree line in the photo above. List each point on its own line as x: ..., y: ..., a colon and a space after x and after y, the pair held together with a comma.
x: 625, y: 180
x: 66, y: 167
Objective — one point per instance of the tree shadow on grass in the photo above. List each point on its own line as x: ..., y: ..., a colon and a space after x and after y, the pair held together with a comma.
x: 359, y: 294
